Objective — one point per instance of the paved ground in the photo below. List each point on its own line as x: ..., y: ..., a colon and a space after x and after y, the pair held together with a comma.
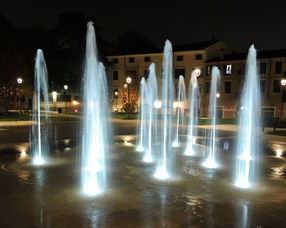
x: 48, y: 197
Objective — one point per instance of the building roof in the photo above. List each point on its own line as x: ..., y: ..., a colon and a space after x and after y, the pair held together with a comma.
x: 242, y: 56
x: 195, y: 46
x: 181, y: 47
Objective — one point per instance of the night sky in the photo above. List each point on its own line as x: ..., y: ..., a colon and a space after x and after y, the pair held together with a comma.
x: 238, y: 23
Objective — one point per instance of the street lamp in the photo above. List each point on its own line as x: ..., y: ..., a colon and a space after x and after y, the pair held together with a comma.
x: 283, y: 97
x: 54, y: 95
x: 217, y: 95
x: 20, y: 81
x: 116, y: 97
x: 128, y: 80
x: 65, y: 93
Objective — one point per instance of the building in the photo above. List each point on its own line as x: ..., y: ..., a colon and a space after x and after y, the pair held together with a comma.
x: 271, y: 69
x: 186, y: 58
x: 204, y: 55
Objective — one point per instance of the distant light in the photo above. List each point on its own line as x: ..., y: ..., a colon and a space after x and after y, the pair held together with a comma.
x: 74, y: 102
x: 157, y: 104
x: 75, y: 110
x: 217, y: 95
x: 128, y: 80
x: 116, y: 93
x: 54, y: 94
x: 197, y: 72
x: 125, y: 86
x: 19, y: 80
x: 283, y: 82
x: 242, y: 107
x: 66, y: 87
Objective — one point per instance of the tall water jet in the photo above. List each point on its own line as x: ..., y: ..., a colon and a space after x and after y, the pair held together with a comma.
x: 142, y: 125
x: 210, y: 160
x: 179, y: 108
x: 95, y: 131
x: 194, y: 96
x: 152, y: 92
x: 164, y: 166
x: 249, y: 125
x: 41, y: 124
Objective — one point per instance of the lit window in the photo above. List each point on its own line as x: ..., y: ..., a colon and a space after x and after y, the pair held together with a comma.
x: 228, y: 69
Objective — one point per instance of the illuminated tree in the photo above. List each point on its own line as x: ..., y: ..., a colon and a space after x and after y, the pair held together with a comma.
x: 129, y: 99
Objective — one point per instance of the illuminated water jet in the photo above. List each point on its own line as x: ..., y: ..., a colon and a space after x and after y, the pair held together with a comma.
x: 95, y: 131
x: 248, y: 145
x: 40, y: 113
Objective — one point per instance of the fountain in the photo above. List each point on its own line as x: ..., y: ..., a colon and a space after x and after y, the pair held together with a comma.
x: 141, y: 145
x: 95, y: 131
x: 164, y: 166
x: 210, y: 160
x: 152, y: 113
x: 249, y: 125
x: 40, y: 128
x: 194, y: 96
x: 179, y: 108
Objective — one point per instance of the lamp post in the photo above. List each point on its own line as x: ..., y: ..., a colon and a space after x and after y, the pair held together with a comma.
x: 20, y: 81
x: 54, y: 95
x: 283, y: 97
x: 116, y: 97
x: 65, y: 93
x: 128, y: 81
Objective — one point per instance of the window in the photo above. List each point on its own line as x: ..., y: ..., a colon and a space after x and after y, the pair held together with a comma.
x: 207, y: 87
x: 199, y: 56
x: 179, y: 72
x: 278, y: 67
x: 115, y: 60
x: 262, y: 68
x: 228, y: 69
x: 276, y: 86
x: 262, y: 86
x: 227, y: 87
x: 131, y: 60
x: 147, y: 59
x: 115, y: 93
x: 180, y: 58
x: 115, y: 75
x: 131, y: 73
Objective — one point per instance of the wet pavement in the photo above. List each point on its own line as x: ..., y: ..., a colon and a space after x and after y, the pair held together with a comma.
x: 49, y: 196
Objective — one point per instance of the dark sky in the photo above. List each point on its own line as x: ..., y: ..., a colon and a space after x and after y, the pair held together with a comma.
x: 239, y: 23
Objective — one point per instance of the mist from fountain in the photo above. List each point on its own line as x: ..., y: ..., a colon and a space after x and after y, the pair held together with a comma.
x: 95, y: 129
x: 210, y: 159
x: 194, y: 96
x: 248, y: 145
x: 152, y: 131
x: 179, y: 108
x: 142, y: 125
x: 40, y: 114
x: 164, y: 165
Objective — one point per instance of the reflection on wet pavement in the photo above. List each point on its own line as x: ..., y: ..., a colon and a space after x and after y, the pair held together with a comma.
x: 49, y: 196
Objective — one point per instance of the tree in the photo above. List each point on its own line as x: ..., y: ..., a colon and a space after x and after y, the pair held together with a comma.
x: 10, y: 95
x: 129, y: 99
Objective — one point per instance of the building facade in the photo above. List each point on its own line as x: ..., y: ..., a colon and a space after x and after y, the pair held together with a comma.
x: 202, y: 56
x: 186, y: 58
